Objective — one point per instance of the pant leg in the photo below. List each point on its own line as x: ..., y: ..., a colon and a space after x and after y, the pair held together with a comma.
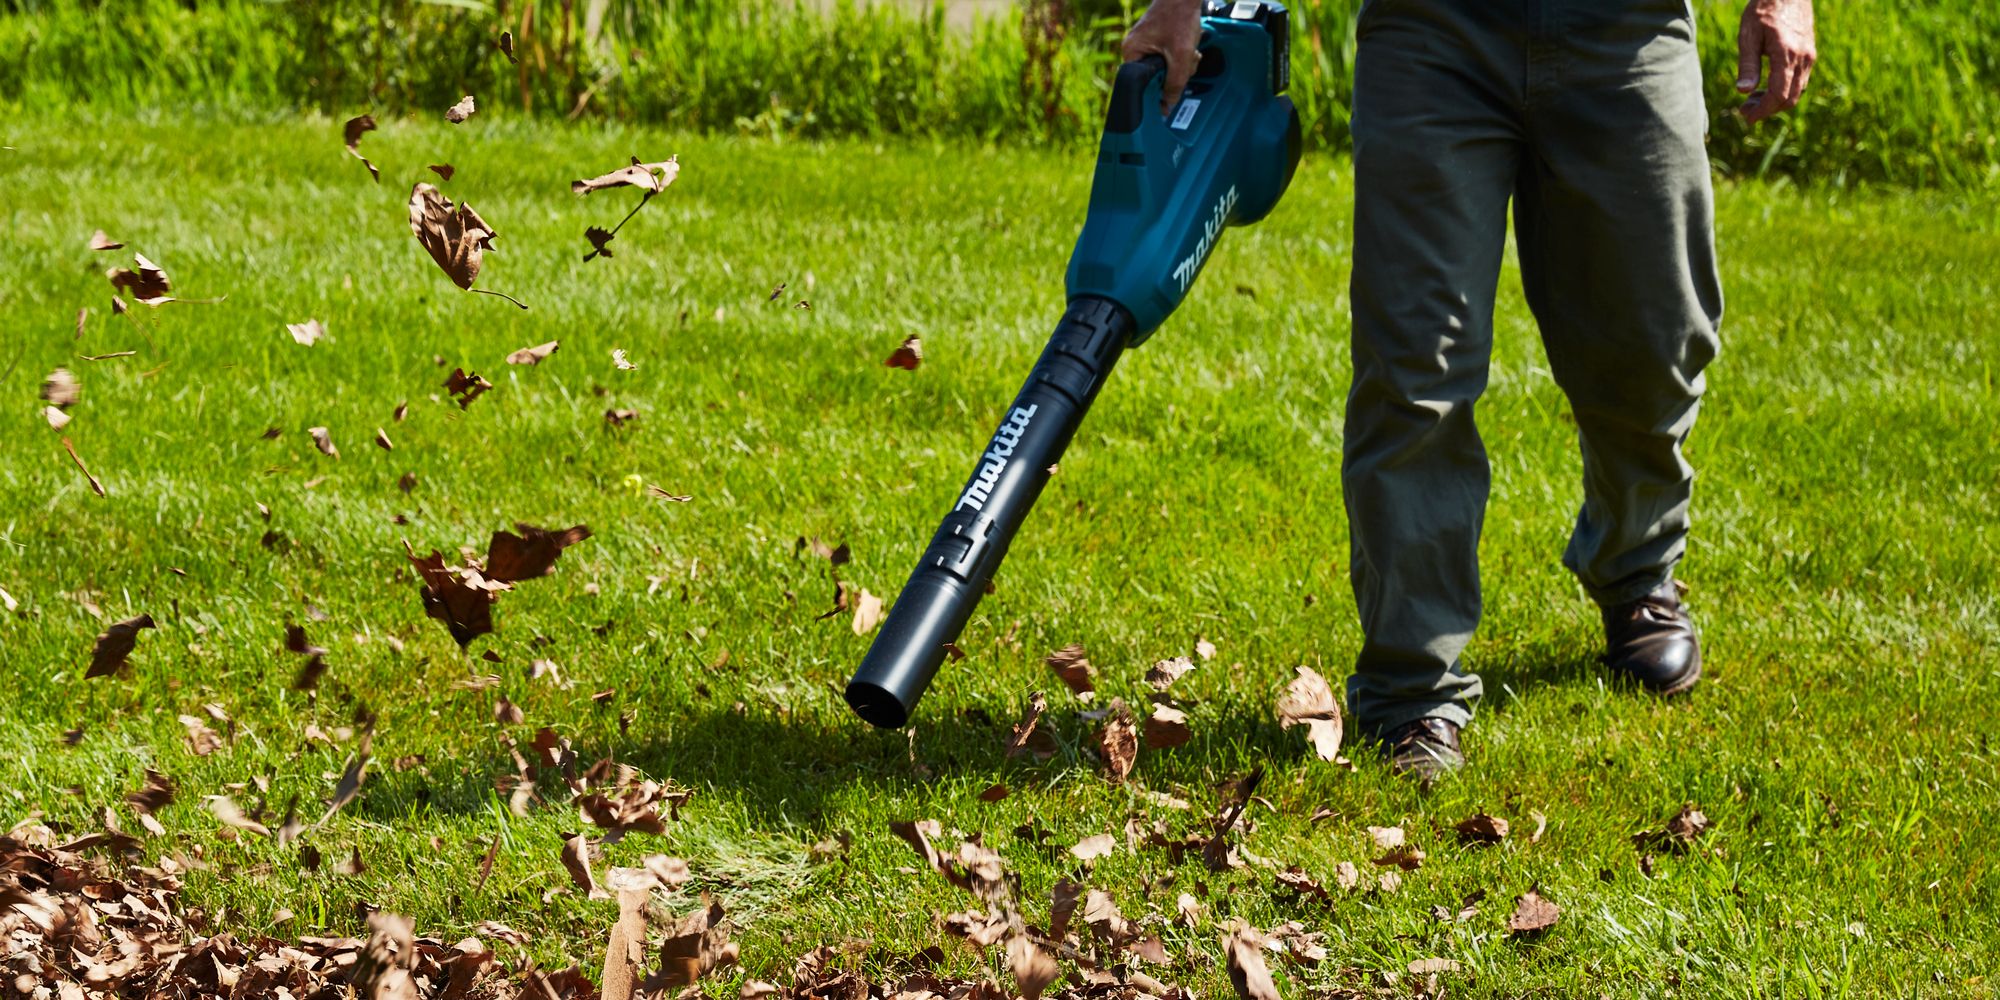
x: 1437, y: 143
x: 1614, y: 223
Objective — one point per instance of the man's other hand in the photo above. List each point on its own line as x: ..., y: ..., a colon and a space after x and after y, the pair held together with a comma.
x: 1779, y: 32
x: 1171, y: 28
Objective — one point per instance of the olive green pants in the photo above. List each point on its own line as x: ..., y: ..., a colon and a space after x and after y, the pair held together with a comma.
x: 1588, y: 116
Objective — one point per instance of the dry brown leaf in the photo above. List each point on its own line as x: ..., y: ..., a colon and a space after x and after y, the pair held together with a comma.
x: 95, y: 486
x: 1429, y: 966
x: 1310, y: 701
x: 459, y: 112
x: 649, y: 177
x: 993, y: 793
x: 350, y: 781
x: 1162, y: 675
x: 621, y: 362
x: 908, y: 356
x: 625, y: 952
x: 323, y: 440
x: 1480, y: 828
x: 533, y: 355
x: 382, y: 440
x: 1204, y: 648
x: 465, y: 385
x: 57, y: 419
x: 1404, y: 856
x: 455, y: 236
x: 506, y: 712
x: 1026, y: 737
x: 154, y: 795
x: 1387, y: 837
x: 1073, y: 667
x: 507, y: 46
x: 100, y: 241
x: 308, y: 333
x: 352, y: 132
x: 1681, y: 831
x: 115, y: 644
x: 1091, y: 848
x: 148, y: 285
x: 229, y: 814
x: 1033, y: 967
x: 576, y: 859
x: 1533, y: 914
x: 201, y: 740
x: 1119, y: 741
x: 695, y: 945
x: 460, y: 598
x: 60, y: 388
x: 443, y: 170
x: 867, y: 612
x: 1166, y: 728
x: 653, y: 490
x: 532, y: 553
x: 1247, y: 971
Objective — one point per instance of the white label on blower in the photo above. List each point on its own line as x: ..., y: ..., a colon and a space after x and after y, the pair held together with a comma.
x: 1185, y: 113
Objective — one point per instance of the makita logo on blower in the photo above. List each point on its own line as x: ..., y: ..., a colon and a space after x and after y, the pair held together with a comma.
x: 1184, y: 271
x: 997, y: 453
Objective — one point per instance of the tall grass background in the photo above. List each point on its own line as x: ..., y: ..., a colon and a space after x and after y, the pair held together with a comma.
x: 1907, y: 92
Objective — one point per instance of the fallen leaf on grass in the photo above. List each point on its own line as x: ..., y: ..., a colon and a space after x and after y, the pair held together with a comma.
x: 650, y: 177
x: 465, y: 385
x: 993, y: 793
x: 1162, y: 675
x: 533, y: 355
x: 1681, y: 831
x: 1310, y: 701
x: 1073, y: 667
x: 1532, y: 914
x: 1166, y: 728
x: 1406, y: 857
x: 1119, y: 741
x: 1247, y: 971
x: 621, y: 362
x: 908, y: 356
x: 1091, y: 848
x: 530, y: 554
x: 974, y: 868
x: 455, y: 237
x: 323, y: 440
x: 459, y: 112
x: 308, y: 332
x: 625, y: 951
x: 1480, y: 828
x: 201, y: 740
x: 352, y: 132
x: 115, y: 645
x: 100, y: 241
x: 1429, y: 966
x: 1386, y: 837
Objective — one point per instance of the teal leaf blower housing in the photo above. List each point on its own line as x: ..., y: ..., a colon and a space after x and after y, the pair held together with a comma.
x: 1166, y: 187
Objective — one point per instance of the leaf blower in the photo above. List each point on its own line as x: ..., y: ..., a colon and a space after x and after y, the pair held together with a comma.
x: 1166, y: 187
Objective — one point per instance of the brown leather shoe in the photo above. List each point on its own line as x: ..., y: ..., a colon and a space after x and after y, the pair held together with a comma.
x: 1652, y: 641
x: 1423, y: 748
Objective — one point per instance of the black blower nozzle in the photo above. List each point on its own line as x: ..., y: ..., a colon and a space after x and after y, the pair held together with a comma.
x: 952, y: 575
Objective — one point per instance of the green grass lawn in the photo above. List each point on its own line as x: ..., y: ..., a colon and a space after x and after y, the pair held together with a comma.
x: 1843, y: 566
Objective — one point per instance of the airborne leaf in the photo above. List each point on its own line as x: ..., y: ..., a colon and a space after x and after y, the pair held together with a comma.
x: 459, y: 112
x: 507, y: 46
x: 306, y: 333
x: 1166, y: 728
x: 455, y: 236
x: 1033, y: 967
x: 149, y: 285
x: 1119, y: 741
x: 115, y: 644
x: 323, y: 439
x: 908, y: 356
x: 61, y: 389
x: 1247, y: 971
x: 1074, y: 668
x: 649, y: 177
x: 95, y: 486
x: 1026, y: 738
x: 99, y: 241
x: 533, y: 355
x: 1309, y: 700
x: 460, y: 598
x: 443, y: 170
x: 465, y: 385
x: 867, y: 612
x: 352, y: 132
x: 532, y: 553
